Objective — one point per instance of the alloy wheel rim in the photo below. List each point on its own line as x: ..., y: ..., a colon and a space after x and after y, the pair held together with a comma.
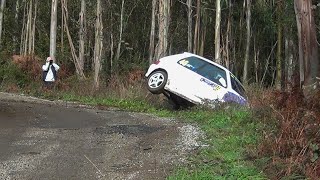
x: 156, y: 80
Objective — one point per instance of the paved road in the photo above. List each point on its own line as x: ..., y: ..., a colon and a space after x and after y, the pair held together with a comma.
x: 61, y: 141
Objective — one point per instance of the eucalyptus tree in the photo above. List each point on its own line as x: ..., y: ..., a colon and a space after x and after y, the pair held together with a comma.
x: 217, y: 38
x: 1, y: 16
x: 152, y: 31
x: 98, y: 45
x: 308, y: 47
x: 77, y: 60
x: 163, y: 28
x: 248, y: 40
x: 53, y: 28
x: 29, y: 26
x: 189, y: 4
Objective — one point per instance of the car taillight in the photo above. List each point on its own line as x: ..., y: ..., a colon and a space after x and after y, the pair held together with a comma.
x: 156, y: 62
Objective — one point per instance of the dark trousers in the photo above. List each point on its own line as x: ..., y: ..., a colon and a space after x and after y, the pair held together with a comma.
x: 48, y: 84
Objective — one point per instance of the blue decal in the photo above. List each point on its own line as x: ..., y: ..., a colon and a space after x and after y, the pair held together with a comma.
x: 231, y: 97
x: 210, y: 83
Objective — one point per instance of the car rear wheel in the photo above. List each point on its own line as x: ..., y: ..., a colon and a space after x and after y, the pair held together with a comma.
x: 156, y: 82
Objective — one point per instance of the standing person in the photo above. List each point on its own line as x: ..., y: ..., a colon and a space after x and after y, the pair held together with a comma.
x: 49, y: 72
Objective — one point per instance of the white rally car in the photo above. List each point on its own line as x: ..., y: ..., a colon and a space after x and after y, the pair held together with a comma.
x: 189, y: 79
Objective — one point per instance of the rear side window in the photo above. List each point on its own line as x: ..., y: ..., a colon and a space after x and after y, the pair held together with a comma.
x: 236, y: 85
x: 205, y: 69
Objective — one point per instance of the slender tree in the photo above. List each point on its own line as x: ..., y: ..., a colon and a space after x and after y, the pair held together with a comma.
x: 1, y: 16
x: 76, y: 60
x: 280, y: 46
x: 189, y: 4
x: 82, y: 34
x: 217, y: 39
x: 53, y: 28
x: 98, y: 45
x: 16, y: 25
x: 152, y: 31
x: 120, y: 34
x: 196, y: 38
x: 246, y: 59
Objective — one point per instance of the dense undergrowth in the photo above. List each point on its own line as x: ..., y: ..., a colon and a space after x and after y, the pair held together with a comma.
x: 277, y: 137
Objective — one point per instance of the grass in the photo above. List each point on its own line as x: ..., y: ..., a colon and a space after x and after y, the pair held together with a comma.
x: 229, y: 133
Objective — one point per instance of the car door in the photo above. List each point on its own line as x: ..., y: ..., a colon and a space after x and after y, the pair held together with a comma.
x: 183, y: 80
x: 192, y: 80
x: 213, y: 83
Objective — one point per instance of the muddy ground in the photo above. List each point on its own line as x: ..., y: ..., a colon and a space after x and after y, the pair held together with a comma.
x: 42, y: 139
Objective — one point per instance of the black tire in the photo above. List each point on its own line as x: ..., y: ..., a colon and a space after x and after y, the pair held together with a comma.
x: 156, y: 81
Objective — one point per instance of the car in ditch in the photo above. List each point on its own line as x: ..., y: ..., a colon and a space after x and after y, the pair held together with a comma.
x: 188, y: 79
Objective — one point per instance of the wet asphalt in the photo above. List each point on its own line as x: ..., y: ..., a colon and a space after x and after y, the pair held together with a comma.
x: 50, y: 141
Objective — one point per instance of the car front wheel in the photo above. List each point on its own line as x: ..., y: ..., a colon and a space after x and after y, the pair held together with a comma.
x: 156, y: 82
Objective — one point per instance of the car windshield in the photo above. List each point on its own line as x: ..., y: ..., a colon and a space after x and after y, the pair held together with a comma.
x: 236, y: 85
x: 205, y: 69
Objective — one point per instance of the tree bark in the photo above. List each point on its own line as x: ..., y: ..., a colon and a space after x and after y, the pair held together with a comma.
x: 280, y: 46
x: 16, y: 24
x: 164, y: 11
x: 1, y: 17
x: 229, y: 35
x: 196, y: 39
x: 53, y: 28
x: 82, y: 34
x: 76, y: 61
x: 189, y: 4
x: 246, y: 59
x: 218, y: 33
x: 116, y: 61
x: 98, y: 45
x: 308, y: 47
x: 152, y: 31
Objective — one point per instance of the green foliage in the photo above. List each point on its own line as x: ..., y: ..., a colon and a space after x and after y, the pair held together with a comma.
x: 229, y: 132
x: 11, y: 74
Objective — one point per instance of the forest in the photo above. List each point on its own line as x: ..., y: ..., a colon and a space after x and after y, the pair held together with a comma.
x: 106, y: 45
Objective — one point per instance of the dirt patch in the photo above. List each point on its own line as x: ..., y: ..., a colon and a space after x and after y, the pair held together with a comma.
x: 65, y: 140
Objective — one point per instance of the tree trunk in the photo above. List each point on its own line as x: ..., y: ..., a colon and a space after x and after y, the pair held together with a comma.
x: 164, y: 10
x: 33, y: 31
x: 82, y: 33
x: 116, y: 61
x: 290, y: 66
x: 152, y: 32
x: 196, y: 39
x: 189, y: 3
x: 280, y: 46
x: 53, y: 28
x: 98, y: 45
x: 308, y: 47
x: 217, y: 38
x: 229, y: 35
x: 246, y: 59
x: 76, y: 61
x: 1, y: 17
x: 16, y: 24
x: 29, y: 27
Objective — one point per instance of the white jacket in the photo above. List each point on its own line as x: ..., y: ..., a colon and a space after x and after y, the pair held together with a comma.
x: 50, y: 77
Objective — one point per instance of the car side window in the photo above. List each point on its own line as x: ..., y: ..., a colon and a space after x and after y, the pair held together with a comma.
x: 205, y: 69
x: 235, y: 84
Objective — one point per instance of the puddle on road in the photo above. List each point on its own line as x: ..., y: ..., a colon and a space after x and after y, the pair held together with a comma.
x: 127, y: 129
